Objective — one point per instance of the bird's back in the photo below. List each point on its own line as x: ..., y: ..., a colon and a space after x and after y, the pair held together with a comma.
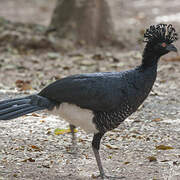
x: 102, y: 91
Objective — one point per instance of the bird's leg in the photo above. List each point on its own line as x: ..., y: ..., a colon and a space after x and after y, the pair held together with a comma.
x: 72, y: 128
x: 73, y: 147
x: 95, y: 146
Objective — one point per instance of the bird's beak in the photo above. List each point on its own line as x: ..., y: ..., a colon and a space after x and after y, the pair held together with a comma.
x: 171, y: 47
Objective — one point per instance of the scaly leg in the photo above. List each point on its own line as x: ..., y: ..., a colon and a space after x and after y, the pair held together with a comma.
x: 95, y: 146
x: 72, y: 128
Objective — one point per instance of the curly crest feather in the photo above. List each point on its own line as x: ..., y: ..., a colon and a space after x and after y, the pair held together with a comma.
x: 160, y: 33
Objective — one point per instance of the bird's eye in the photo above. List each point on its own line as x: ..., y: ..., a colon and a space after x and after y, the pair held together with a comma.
x: 163, y: 44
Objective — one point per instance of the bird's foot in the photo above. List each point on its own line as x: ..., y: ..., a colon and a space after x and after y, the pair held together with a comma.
x: 106, y: 177
x: 72, y: 149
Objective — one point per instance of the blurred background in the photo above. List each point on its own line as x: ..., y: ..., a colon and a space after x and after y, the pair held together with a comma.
x: 37, y: 31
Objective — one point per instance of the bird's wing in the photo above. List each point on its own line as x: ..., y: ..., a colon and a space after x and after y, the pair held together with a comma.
x: 92, y: 91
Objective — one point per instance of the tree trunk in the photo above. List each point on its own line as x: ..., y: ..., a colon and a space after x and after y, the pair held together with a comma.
x: 85, y: 21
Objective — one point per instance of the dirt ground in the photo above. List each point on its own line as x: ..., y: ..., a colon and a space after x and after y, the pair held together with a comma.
x: 145, y: 147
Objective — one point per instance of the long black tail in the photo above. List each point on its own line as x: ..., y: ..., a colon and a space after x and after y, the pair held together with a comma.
x: 13, y: 108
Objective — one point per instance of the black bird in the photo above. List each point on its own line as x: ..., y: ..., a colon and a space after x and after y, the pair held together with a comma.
x: 99, y: 102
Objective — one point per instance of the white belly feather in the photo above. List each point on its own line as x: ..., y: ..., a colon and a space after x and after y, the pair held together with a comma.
x: 77, y: 116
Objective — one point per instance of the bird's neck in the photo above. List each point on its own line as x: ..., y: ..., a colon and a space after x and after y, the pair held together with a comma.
x: 149, y: 58
x: 149, y: 66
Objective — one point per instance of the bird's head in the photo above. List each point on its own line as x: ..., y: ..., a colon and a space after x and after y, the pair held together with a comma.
x: 159, y: 39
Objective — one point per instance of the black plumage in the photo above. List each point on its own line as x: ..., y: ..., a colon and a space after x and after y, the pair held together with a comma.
x: 110, y: 96
x: 101, y: 91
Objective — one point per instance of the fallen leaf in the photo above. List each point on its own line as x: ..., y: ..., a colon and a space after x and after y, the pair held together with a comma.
x: 152, y: 159
x: 29, y: 159
x: 14, y: 175
x: 127, y: 162
x: 63, y: 131
x: 48, y: 132
x: 35, y: 115
x: 163, y: 147
x: 23, y: 85
x: 135, y: 132
x: 93, y: 176
x: 66, y: 68
x: 86, y: 156
x: 36, y: 148
x: 134, y: 136
x: 46, y: 165
x: 110, y: 146
x: 156, y: 120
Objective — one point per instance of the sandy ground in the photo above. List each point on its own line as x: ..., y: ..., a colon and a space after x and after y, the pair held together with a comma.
x: 146, y: 146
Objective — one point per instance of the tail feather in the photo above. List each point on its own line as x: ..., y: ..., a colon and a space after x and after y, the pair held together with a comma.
x: 11, y: 103
x: 11, y: 100
x: 20, y: 112
x: 13, y: 108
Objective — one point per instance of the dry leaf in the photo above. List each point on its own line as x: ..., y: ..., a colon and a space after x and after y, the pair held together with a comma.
x: 35, y: 115
x: 163, y: 147
x: 23, y: 85
x: 29, y: 159
x: 36, y: 148
x: 46, y: 165
x: 49, y: 132
x: 127, y: 162
x: 156, y: 120
x: 152, y: 158
x: 110, y: 146
x: 14, y: 175
x: 94, y: 176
